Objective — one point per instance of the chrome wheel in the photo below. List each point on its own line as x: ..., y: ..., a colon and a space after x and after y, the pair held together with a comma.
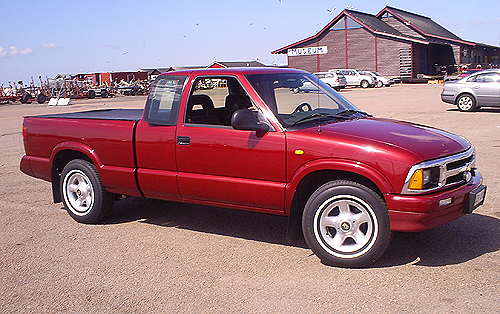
x: 84, y: 196
x: 466, y: 103
x: 345, y: 226
x: 78, y: 192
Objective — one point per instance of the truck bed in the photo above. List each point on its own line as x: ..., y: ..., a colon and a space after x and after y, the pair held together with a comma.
x: 100, y: 114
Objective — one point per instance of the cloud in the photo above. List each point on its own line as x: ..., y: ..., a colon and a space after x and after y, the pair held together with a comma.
x: 49, y: 45
x: 14, y: 51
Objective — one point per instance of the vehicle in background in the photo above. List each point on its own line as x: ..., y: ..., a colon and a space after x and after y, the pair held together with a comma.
x: 468, y: 72
x: 335, y: 80
x: 381, y: 80
x: 306, y: 87
x: 355, y: 78
x: 481, y: 89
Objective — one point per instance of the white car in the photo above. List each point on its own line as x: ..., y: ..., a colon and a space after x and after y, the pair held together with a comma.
x: 381, y: 80
x: 335, y: 80
x: 355, y: 78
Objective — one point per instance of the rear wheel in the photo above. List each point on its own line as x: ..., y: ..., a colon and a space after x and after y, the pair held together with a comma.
x: 364, y: 84
x: 346, y: 224
x: 91, y: 94
x: 26, y: 99
x: 41, y: 98
x: 83, y: 194
x: 466, y: 102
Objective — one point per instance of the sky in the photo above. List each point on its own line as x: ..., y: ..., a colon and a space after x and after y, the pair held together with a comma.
x: 45, y: 38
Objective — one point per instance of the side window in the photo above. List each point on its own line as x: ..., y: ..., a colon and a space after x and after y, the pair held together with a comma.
x: 213, y: 100
x: 163, y: 103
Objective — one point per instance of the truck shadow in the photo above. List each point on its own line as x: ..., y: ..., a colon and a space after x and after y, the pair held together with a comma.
x: 453, y: 243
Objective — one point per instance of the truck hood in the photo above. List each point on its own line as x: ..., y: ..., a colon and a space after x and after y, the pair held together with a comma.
x: 425, y: 142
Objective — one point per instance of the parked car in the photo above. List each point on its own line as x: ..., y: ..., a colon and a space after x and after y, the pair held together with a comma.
x: 381, y: 80
x: 335, y: 80
x: 481, y: 89
x: 355, y: 78
x: 468, y: 72
x: 306, y: 87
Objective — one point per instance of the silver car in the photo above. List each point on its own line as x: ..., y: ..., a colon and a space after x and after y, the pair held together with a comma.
x: 381, y: 80
x: 355, y: 78
x: 335, y: 80
x: 481, y: 89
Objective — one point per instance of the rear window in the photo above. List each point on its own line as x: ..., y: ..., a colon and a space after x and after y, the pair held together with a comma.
x: 164, y: 100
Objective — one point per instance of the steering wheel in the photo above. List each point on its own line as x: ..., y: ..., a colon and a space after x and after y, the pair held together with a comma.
x: 300, y: 108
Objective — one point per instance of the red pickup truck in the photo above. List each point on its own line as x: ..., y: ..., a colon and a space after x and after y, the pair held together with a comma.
x: 243, y: 139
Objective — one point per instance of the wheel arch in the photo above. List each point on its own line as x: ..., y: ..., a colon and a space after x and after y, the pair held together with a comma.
x: 464, y: 92
x: 61, y: 156
x: 312, y: 181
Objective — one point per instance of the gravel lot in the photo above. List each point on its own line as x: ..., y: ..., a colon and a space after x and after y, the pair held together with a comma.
x: 162, y: 257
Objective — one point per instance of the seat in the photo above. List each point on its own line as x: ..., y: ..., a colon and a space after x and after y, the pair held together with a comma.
x: 204, y: 100
x: 236, y: 102
x: 201, y: 116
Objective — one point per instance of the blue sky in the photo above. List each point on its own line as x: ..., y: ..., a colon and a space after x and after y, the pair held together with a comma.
x: 44, y: 38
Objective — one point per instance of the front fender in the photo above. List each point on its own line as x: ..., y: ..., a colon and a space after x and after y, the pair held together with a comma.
x: 344, y: 165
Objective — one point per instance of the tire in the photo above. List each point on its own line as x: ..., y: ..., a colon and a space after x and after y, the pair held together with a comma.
x: 41, y: 98
x: 466, y: 102
x: 104, y: 93
x: 83, y: 194
x: 380, y: 84
x: 364, y: 84
x: 26, y: 99
x: 91, y: 94
x: 346, y: 224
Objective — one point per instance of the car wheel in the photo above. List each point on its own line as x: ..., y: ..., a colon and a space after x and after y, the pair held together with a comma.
x: 364, y: 84
x: 91, y: 94
x: 83, y: 194
x: 380, y: 84
x: 346, y: 224
x: 466, y: 102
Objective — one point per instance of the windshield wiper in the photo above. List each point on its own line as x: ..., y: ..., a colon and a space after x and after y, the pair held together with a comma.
x: 319, y: 114
x: 350, y: 112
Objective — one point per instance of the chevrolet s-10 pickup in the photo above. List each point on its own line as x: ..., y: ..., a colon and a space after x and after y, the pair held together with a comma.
x: 243, y: 138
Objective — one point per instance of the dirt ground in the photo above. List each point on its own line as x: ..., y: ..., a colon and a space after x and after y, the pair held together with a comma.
x: 162, y: 257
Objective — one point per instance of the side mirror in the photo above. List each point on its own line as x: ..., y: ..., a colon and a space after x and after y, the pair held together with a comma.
x: 245, y: 119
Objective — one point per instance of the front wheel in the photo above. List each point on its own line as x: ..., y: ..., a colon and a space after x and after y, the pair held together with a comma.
x: 346, y: 224
x: 364, y: 84
x: 83, y: 193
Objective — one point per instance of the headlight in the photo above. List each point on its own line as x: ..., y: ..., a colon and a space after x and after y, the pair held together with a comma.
x: 429, y: 176
x: 424, y: 179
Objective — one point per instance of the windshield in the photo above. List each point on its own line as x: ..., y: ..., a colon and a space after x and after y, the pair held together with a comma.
x: 302, y: 99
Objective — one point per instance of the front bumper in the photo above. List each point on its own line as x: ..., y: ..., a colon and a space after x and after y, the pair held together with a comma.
x: 412, y: 213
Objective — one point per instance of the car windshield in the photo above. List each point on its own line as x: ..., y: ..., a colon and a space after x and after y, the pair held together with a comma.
x: 301, y: 99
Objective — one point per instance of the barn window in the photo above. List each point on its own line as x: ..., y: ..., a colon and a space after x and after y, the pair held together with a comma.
x: 350, y: 24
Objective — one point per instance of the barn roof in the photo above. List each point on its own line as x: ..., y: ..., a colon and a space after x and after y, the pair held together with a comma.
x: 423, y: 25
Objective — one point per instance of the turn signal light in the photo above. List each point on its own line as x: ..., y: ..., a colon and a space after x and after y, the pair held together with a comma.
x: 25, y: 133
x: 417, y: 180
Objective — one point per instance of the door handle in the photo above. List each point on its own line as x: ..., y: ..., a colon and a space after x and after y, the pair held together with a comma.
x: 183, y: 140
